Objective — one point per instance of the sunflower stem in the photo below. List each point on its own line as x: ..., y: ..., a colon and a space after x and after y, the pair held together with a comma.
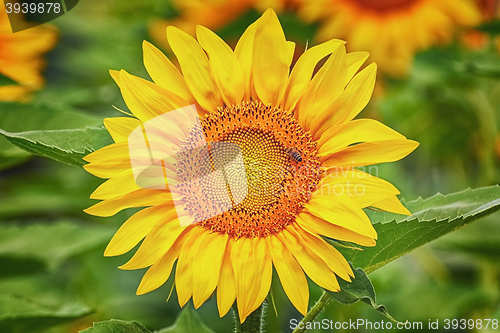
x: 314, y: 312
x: 254, y: 322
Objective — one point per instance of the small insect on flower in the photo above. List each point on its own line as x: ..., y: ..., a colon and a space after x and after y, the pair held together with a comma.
x: 294, y: 153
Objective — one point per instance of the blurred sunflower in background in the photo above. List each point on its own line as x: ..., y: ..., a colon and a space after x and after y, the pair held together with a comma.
x: 250, y: 98
x: 213, y: 14
x: 21, y: 57
x: 391, y: 30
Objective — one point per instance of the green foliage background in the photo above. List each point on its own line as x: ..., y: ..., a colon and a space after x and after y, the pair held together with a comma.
x: 54, y: 278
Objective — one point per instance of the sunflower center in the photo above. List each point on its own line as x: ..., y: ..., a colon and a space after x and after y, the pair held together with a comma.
x: 384, y: 6
x: 281, y: 169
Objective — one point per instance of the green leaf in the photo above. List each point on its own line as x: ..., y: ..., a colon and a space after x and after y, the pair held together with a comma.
x: 58, y: 132
x: 117, y: 326
x: 398, y: 235
x: 481, y: 239
x: 431, y: 219
x: 187, y: 322
x: 21, y: 117
x: 65, y: 146
x: 20, y: 245
x: 6, y: 81
x: 360, y: 289
x: 20, y: 315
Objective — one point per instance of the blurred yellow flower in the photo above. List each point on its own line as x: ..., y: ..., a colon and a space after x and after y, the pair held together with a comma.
x: 391, y: 30
x: 477, y: 40
x: 21, y: 57
x: 213, y: 14
x: 299, y: 145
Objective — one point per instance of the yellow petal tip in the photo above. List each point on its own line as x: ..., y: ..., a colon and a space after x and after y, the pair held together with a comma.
x: 405, y: 211
x: 172, y: 29
x: 197, y: 303
x: 270, y: 11
x: 141, y: 290
x: 111, y: 251
x: 303, y: 311
x: 126, y: 267
x: 88, y: 211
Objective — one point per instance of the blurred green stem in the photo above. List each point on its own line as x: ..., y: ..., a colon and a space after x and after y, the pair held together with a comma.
x: 253, y: 323
x: 314, y: 312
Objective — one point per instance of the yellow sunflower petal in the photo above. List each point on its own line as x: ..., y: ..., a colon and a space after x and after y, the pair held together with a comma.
x: 356, y: 131
x: 314, y: 266
x: 331, y: 256
x: 110, y: 169
x: 147, y: 100
x: 136, y: 228
x: 243, y: 267
x: 369, y: 153
x: 160, y: 271
x: 244, y: 52
x: 315, y: 224
x: 393, y: 205
x: 226, y: 69
x: 139, y: 198
x: 264, y: 272
x: 226, y: 288
x: 355, y: 97
x: 115, y: 151
x: 184, y: 269
x: 113, y: 161
x: 290, y: 273
x: 322, y: 90
x: 354, y: 62
x: 195, y: 67
x: 158, y: 241
x: 303, y: 71
x: 291, y: 51
x: 117, y: 186
x: 120, y: 128
x: 108, y: 161
x: 115, y: 75
x: 164, y: 73
x: 270, y: 61
x: 252, y: 271
x: 341, y: 211
x: 207, y: 265
x: 362, y: 188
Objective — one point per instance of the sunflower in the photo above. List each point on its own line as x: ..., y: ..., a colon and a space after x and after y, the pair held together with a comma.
x: 391, y: 30
x: 299, y: 145
x: 20, y: 57
x: 213, y: 14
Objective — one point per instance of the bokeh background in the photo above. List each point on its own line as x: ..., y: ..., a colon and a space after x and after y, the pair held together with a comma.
x: 447, y: 98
